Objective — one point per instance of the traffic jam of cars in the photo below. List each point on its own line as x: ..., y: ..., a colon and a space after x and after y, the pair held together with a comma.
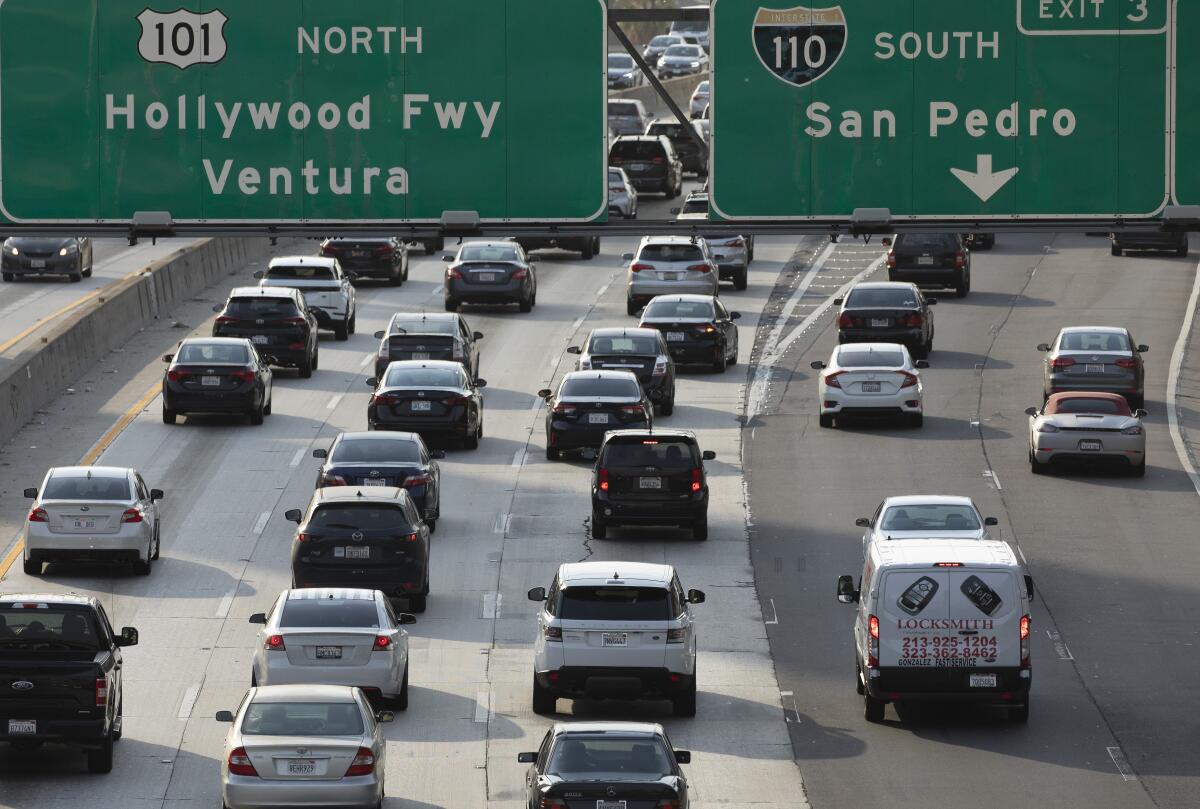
x: 944, y: 604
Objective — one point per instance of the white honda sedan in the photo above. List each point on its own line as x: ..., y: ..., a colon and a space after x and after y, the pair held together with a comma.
x: 940, y: 516
x: 870, y: 379
x: 334, y: 636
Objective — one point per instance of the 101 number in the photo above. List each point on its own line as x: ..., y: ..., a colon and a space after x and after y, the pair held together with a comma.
x: 182, y: 39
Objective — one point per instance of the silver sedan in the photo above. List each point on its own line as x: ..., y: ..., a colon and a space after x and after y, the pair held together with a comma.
x: 1088, y: 427
x: 303, y: 745
x: 926, y: 516
x: 622, y: 196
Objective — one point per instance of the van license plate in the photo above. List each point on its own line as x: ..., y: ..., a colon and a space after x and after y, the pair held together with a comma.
x: 329, y: 653
x: 983, y: 680
x: 422, y: 405
x: 420, y: 355
x: 357, y: 553
x: 210, y: 381
x: 1090, y: 446
x: 616, y: 639
x: 650, y: 483
x: 22, y: 727
x: 676, y: 337
x: 603, y: 804
x: 925, y: 261
x: 306, y: 766
x: 870, y: 387
x: 260, y: 340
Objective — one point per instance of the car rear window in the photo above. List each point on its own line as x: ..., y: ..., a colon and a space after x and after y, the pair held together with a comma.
x: 695, y: 205
x: 671, y: 252
x: 482, y: 252
x: 624, y: 344
x: 588, y: 387
x: 614, y: 604
x: 856, y: 358
x: 585, y: 758
x: 213, y: 353
x: 1093, y: 341
x: 622, y: 108
x: 418, y: 325
x: 304, y: 272
x: 670, y: 130
x: 620, y: 60
x: 881, y: 299
x: 615, y: 179
x: 261, y: 307
x: 945, y: 241
x: 330, y: 612
x: 424, y: 378
x: 376, y: 450
x: 665, y: 453
x: 85, y: 488
x: 355, y: 515
x: 663, y: 40
x: 302, y: 719
x: 660, y: 309
x: 933, y: 517
x: 702, y: 88
x: 636, y: 149
x: 48, y: 628
x: 1089, y: 404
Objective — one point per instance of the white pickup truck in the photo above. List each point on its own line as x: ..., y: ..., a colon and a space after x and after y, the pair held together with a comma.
x: 325, y: 285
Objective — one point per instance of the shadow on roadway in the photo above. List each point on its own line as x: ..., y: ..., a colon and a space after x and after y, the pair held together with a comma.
x: 99, y: 576
x: 994, y: 299
x: 443, y: 716
x: 965, y: 360
x: 935, y: 428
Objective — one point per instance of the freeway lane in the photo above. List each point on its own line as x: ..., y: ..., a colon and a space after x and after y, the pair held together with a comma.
x: 509, y: 518
x: 1115, y: 573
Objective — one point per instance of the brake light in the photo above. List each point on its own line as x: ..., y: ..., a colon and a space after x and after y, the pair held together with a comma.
x: 101, y: 691
x: 697, y: 479
x: 1061, y: 363
x: 455, y: 401
x: 333, y: 480
x: 960, y: 260
x: 38, y: 515
x: 551, y: 803
x: 891, y: 259
x: 409, y: 537
x: 602, y: 479
x: 242, y: 376
x: 454, y: 273
x: 947, y: 564
x: 552, y: 633
x: 274, y: 643
x: 1126, y: 362
x: 520, y: 274
x: 832, y: 381
x: 699, y: 268
x: 329, y: 250
x: 417, y: 481
x: 873, y: 642
x: 707, y: 328
x: 564, y: 409
x: 914, y: 320
x: 660, y: 365
x: 178, y: 376
x: 845, y: 321
x: 384, y: 399
x: 1025, y: 655
x: 382, y: 643
x: 226, y: 319
x: 634, y: 410
x: 131, y: 515
x: 658, y: 161
x: 363, y: 764
x: 640, y: 267
x: 239, y: 762
x: 303, y: 537
x: 383, y: 249
x: 675, y: 635
x: 909, y: 379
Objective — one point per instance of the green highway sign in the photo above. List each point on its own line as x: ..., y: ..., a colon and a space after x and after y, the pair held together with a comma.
x: 316, y: 111
x: 1002, y: 109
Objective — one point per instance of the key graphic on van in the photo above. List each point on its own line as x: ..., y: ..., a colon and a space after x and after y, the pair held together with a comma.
x: 917, y: 596
x: 981, y: 595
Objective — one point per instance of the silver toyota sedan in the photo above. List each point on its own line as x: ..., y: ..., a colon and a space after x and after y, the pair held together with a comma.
x: 1087, y: 427
x: 303, y: 745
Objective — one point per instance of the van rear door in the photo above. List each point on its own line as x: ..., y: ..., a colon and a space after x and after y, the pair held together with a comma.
x: 914, y: 624
x: 987, y: 604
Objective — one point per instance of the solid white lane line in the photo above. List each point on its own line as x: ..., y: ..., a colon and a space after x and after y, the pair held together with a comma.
x: 366, y: 361
x: 1060, y: 647
x: 261, y: 522
x: 774, y: 613
x: 1177, y: 355
x: 296, y: 458
x: 578, y: 322
x: 1118, y: 757
x: 226, y: 603
x: 789, y: 696
x: 519, y: 458
x: 602, y: 290
x: 483, y: 708
x: 500, y: 526
x: 189, y: 701
x: 1023, y: 559
x: 991, y: 473
x: 335, y: 401
x: 491, y: 604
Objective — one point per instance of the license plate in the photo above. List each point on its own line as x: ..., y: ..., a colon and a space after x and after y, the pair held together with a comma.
x: 1093, y: 369
x: 616, y: 639
x: 357, y: 553
x: 487, y: 277
x: 983, y: 680
x: 603, y: 804
x: 358, y: 253
x: 675, y: 276
x: 22, y: 727
x: 597, y: 418
x: 1090, y: 446
x: 374, y: 482
x: 880, y: 321
x: 676, y: 337
x: 260, y: 339
x: 637, y: 166
x: 305, y: 766
x: 329, y: 653
x: 210, y: 381
x: 925, y: 260
x: 422, y: 405
x: 85, y: 523
x: 650, y: 483
x: 37, y: 263
x: 870, y: 387
x: 420, y: 355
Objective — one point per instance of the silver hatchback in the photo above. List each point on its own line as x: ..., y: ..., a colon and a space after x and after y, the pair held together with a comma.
x: 670, y: 265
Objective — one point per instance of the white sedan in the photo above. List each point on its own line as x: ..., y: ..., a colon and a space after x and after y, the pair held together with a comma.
x: 940, y: 516
x: 870, y: 379
x: 334, y: 636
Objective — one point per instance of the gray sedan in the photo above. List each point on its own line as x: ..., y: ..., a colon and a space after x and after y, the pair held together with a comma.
x: 1095, y: 358
x: 622, y: 196
x: 1087, y: 427
x: 303, y: 745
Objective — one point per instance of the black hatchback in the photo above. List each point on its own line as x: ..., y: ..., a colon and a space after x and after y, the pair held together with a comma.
x: 386, y: 459
x: 589, y: 404
x: 882, y: 312
x: 930, y: 259
x: 276, y: 320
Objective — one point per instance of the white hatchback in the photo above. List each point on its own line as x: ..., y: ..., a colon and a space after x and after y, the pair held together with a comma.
x: 334, y: 636
x: 870, y: 379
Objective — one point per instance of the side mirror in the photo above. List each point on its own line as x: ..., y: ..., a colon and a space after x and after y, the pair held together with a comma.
x: 532, y: 259
x: 293, y: 515
x: 270, y: 359
x: 574, y: 350
x: 837, y: 301
x: 695, y: 596
x: 845, y: 590
x: 708, y: 455
x: 922, y: 364
x: 886, y: 241
x: 437, y: 454
x: 735, y: 315
x: 320, y: 453
x: 128, y: 637
x: 379, y: 335
x: 372, y: 382
x: 1143, y: 348
x: 385, y: 716
x: 156, y: 494
x: 676, y: 211
x: 407, y: 618
x: 545, y: 393
x: 683, y: 756
x: 224, y: 716
x: 931, y: 301
x: 1043, y: 346
x: 31, y: 493
x: 1031, y: 411
x: 218, y: 307
x: 1028, y: 586
x: 627, y: 257
x: 477, y: 335
x: 481, y: 383
x: 817, y: 365
x: 990, y: 521
x: 537, y: 594
x: 447, y: 258
x: 258, y: 618
x: 1140, y: 413
x: 526, y: 758
x: 259, y: 274
x: 168, y: 357
x: 351, y: 275
x: 862, y: 522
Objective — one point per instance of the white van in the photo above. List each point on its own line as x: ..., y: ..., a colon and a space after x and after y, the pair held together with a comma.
x: 941, y: 619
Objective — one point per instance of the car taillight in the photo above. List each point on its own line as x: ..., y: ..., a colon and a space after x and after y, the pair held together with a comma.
x: 226, y: 319
x: 668, y: 803
x: 658, y: 161
x: 960, y: 259
x: 1061, y: 363
x: 602, y: 479
x: 891, y: 259
x: 274, y: 643
x: 832, y: 381
x: 333, y: 480
x: 242, y: 376
x: 640, y: 267
x: 551, y: 803
x: 328, y: 250
x: 101, y: 691
x: 1025, y: 625
x: 845, y: 321
x: 633, y: 410
x: 178, y: 376
x: 909, y: 379
x: 552, y: 633
x: 520, y: 274
x: 37, y: 515
x: 455, y: 401
x: 131, y: 515
x: 660, y: 365
x: 873, y: 642
x: 382, y: 643
x: 1132, y: 429
x: 383, y: 250
x: 699, y: 268
x: 1125, y: 362
x: 454, y: 273
x: 294, y: 321
x: 384, y: 399
x: 410, y: 537
x: 303, y: 537
x: 914, y: 320
x: 697, y: 479
x: 296, y: 346
x: 707, y: 328
x: 239, y: 762
x: 417, y: 481
x: 1047, y: 427
x: 564, y: 409
x: 676, y: 635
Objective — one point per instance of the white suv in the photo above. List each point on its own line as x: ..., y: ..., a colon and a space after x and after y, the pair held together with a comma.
x: 615, y: 630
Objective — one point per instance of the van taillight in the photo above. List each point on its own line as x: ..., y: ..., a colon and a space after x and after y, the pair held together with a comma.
x: 239, y: 762
x: 1024, y: 627
x: 602, y: 479
x: 697, y: 479
x: 873, y: 642
x: 101, y: 691
x: 1025, y: 656
x: 552, y: 633
x: 959, y: 259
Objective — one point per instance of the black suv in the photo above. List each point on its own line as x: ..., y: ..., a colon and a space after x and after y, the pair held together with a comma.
x: 650, y: 477
x: 61, y: 674
x: 428, y: 336
x: 884, y: 312
x: 276, y: 320
x: 691, y: 155
x: 930, y: 259
x: 650, y: 163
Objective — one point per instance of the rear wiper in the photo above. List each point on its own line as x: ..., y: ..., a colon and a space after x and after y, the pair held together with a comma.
x: 339, y: 525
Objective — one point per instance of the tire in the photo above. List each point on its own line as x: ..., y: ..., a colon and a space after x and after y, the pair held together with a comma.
x: 1182, y: 251
x: 100, y: 761
x: 1020, y: 714
x: 270, y: 401
x: 473, y: 441
x: 719, y: 365
x: 742, y: 279
x: 316, y: 362
x: 434, y: 246
x: 1136, y: 402
x: 920, y: 352
x: 685, y: 703
x: 551, y: 454
x: 256, y: 416
x: 1138, y: 471
x: 1035, y: 466
x: 700, y: 529
x: 916, y: 420
x: 306, y: 368
x: 395, y: 280
x: 253, y: 679
x: 400, y: 702
x: 1116, y: 250
x: 342, y: 333
x: 119, y: 724
x: 451, y: 305
x: 963, y: 286
x: 873, y: 708
x: 858, y: 682
x: 33, y: 566
x: 631, y: 308
x: 432, y: 525
x: 418, y: 603
x: 588, y: 251
x: 8, y: 277
x: 157, y: 543
x: 668, y: 407
x: 826, y: 420
x: 169, y: 416
x: 88, y: 272
x: 76, y: 277
x: 599, y: 526
x: 526, y: 306
x: 142, y: 568
x: 544, y: 700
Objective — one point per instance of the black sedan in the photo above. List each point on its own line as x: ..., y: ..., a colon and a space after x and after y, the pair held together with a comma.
x: 434, y: 398
x: 385, y: 258
x: 40, y: 255
x: 217, y: 375
x: 606, y: 764
x: 589, y: 404
x: 490, y: 272
x: 697, y: 328
x: 386, y: 459
x: 642, y: 351
x: 887, y: 312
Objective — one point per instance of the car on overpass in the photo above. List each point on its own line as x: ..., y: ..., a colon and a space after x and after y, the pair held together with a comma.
x: 627, y: 116
x: 36, y: 256
x: 1167, y: 241
x: 655, y: 47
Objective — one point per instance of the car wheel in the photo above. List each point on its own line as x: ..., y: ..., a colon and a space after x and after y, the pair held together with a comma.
x: 963, y: 286
x: 400, y: 703
x: 395, y: 280
x: 8, y: 277
x: 599, y: 526
x: 142, y: 566
x: 920, y: 351
x: 157, y: 544
x: 1035, y: 466
x: 417, y: 603
x: 33, y: 565
x: 306, y: 367
x: 588, y: 251
x: 1138, y: 401
x: 270, y: 403
x: 544, y: 700
x: 916, y: 419
x: 76, y: 277
x: 668, y: 407
x: 551, y: 454
x: 873, y: 708
x: 434, y: 245
x: 826, y: 420
x: 451, y: 305
x: 1138, y: 471
x: 341, y: 331
x: 1182, y: 251
x: 1116, y: 249
x: 169, y: 416
x: 685, y: 703
x: 1019, y: 714
x: 256, y: 415
x: 742, y: 279
x: 732, y: 357
x: 100, y: 760
x: 88, y: 272
x: 526, y: 305
x: 700, y: 529
x: 719, y: 365
x: 631, y: 308
x: 473, y: 441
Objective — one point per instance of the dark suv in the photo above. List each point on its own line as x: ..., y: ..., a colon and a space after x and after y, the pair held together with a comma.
x: 930, y: 259
x: 884, y: 312
x: 645, y: 477
x: 276, y: 320
x: 691, y: 155
x: 650, y: 163
x: 428, y: 336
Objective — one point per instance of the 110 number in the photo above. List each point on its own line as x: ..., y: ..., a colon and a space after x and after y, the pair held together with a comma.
x: 813, y: 52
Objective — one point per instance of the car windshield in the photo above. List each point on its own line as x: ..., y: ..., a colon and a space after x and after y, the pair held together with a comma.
x: 663, y: 453
x: 305, y: 272
x: 302, y: 719
x: 881, y: 299
x: 361, y: 516
x: 620, y: 61
x: 857, y: 358
x: 1090, y: 404
x: 589, y: 387
x: 261, y: 308
x: 933, y: 517
x: 588, y: 603
x: 401, y: 325
x: 86, y: 488
x: 671, y: 252
x: 331, y: 612
x: 622, y: 108
x: 1093, y: 341
x: 679, y: 310
x: 637, y: 150
x: 487, y: 252
x: 689, y: 25
x: 48, y: 627
x: 424, y: 378
x: 624, y: 344
x: 220, y: 353
x: 376, y: 450
x: 692, y: 51
x: 598, y: 758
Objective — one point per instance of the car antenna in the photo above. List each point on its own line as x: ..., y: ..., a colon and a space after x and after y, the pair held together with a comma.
x: 89, y: 474
x: 359, y: 493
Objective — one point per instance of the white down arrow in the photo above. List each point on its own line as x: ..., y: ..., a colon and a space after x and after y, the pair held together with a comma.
x: 984, y: 182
